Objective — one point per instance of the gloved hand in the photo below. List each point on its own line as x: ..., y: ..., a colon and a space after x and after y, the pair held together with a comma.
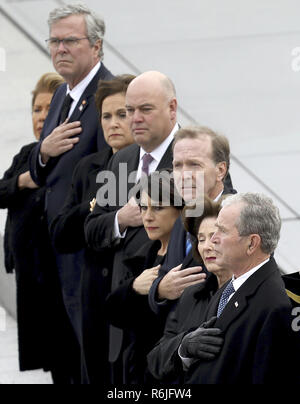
x: 204, y: 343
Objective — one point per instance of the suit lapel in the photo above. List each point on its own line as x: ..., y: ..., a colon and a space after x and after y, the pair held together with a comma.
x: 85, y: 98
x: 53, y: 118
x: 102, y: 74
x: 167, y: 159
x: 84, y: 101
x: 214, y: 303
x: 132, y: 166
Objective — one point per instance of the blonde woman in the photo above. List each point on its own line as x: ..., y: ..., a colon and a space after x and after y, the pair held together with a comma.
x: 42, y: 329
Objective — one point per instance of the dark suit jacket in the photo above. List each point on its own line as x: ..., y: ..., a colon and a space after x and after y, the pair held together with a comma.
x: 94, y: 277
x: 42, y: 326
x: 259, y: 341
x: 100, y: 224
x: 176, y: 255
x: 57, y: 175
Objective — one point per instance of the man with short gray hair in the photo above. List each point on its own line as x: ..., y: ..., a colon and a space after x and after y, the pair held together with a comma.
x: 71, y: 131
x: 95, y: 25
x: 76, y: 49
x: 252, y: 310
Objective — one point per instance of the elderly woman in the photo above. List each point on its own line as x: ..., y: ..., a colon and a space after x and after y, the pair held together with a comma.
x: 27, y: 247
x: 164, y: 361
x: 67, y: 231
x: 128, y: 306
x: 17, y: 181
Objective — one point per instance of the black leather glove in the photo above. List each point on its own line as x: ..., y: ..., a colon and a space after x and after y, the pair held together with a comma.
x: 204, y: 343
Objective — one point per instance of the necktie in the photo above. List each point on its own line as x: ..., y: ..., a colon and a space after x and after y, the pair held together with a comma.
x: 147, y: 159
x: 188, y: 245
x: 65, y: 108
x: 225, y: 296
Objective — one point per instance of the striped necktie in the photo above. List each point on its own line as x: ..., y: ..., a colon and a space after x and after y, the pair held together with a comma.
x: 147, y: 160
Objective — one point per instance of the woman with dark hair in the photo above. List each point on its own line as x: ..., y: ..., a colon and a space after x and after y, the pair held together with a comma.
x: 67, y: 231
x: 128, y: 306
x: 110, y: 103
x: 164, y: 361
x: 40, y: 310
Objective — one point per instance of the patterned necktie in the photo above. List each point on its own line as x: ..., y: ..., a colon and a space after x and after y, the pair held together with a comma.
x: 66, y: 108
x: 147, y: 160
x: 225, y: 296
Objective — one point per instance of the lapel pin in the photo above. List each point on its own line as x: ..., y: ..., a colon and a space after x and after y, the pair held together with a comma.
x: 93, y: 204
x: 236, y: 304
x: 82, y: 105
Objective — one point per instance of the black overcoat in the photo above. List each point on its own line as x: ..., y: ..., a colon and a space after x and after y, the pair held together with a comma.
x: 260, y: 344
x: 131, y: 312
x: 99, y: 230
x: 41, y: 318
x: 67, y: 231
x: 57, y: 176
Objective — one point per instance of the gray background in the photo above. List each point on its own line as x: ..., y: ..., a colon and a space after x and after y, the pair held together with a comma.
x: 233, y: 68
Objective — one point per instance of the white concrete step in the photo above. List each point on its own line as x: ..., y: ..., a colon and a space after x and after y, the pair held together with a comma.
x: 9, y: 365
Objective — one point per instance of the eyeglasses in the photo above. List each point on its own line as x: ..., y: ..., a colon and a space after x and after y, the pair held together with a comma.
x: 68, y: 43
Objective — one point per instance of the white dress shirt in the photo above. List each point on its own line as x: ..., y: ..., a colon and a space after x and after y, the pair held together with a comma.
x: 219, y: 196
x: 78, y: 90
x: 238, y: 282
x: 157, y: 155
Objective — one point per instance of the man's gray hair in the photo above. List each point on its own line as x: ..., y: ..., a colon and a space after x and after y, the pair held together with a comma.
x: 95, y: 25
x: 258, y: 216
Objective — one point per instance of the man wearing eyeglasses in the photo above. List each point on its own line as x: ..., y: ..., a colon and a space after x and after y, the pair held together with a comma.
x: 72, y: 129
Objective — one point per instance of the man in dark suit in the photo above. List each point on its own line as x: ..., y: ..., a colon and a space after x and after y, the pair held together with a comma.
x: 72, y: 129
x: 252, y: 310
x: 152, y: 108
x: 196, y: 150
x: 76, y: 55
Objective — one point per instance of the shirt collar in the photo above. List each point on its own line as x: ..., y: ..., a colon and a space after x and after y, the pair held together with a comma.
x: 238, y: 282
x: 158, y: 153
x: 78, y: 90
x: 219, y: 196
